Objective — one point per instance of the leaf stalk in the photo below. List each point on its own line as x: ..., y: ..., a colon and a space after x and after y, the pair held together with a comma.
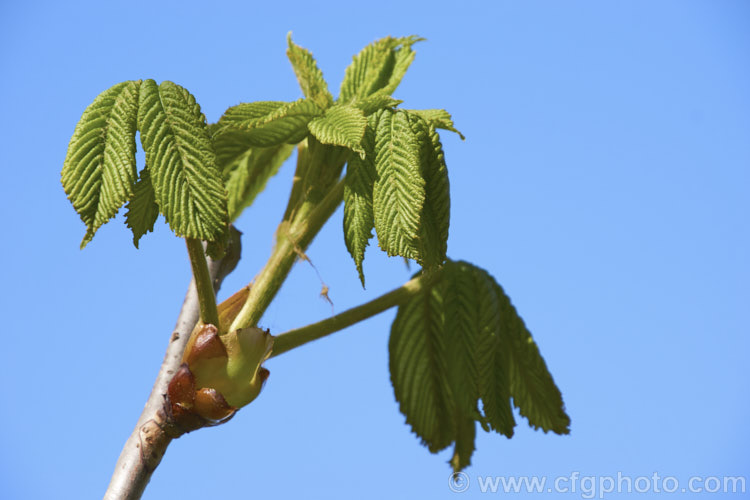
x: 300, y: 336
x: 209, y: 313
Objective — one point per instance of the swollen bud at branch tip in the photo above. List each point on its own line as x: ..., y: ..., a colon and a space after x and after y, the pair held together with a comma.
x: 219, y: 374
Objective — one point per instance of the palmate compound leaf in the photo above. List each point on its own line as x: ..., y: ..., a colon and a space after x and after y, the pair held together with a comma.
x: 411, y: 200
x: 100, y: 170
x: 269, y: 123
x: 179, y: 155
x: 380, y: 65
x: 340, y: 126
x: 460, y: 342
x: 309, y: 76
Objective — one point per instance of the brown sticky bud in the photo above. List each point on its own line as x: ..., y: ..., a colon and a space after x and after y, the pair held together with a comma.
x: 211, y: 405
x: 180, y: 402
x: 183, y: 421
x: 206, y: 356
x: 181, y: 389
x: 204, y: 345
x: 263, y: 374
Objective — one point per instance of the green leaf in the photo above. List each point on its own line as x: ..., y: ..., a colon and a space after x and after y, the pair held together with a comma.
x: 270, y: 123
x: 438, y: 118
x: 358, y: 215
x: 340, y: 126
x: 308, y: 74
x: 466, y: 433
x: 229, y: 146
x: 99, y: 170
x: 411, y: 195
x: 380, y: 65
x: 399, y: 189
x: 142, y: 208
x: 377, y: 101
x: 245, y: 168
x: 463, y: 331
x: 247, y: 176
x: 458, y: 342
x: 531, y: 385
x: 494, y: 377
x: 435, y: 216
x: 179, y: 155
x: 403, y: 56
x: 418, y: 366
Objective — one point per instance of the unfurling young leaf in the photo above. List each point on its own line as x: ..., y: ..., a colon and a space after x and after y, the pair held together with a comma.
x: 435, y: 216
x: 269, y: 123
x: 340, y: 126
x: 245, y: 168
x: 179, y: 155
x: 403, y: 56
x: 358, y: 216
x: 99, y: 170
x: 438, y: 118
x: 142, y: 208
x: 247, y: 176
x: 380, y: 65
x: 308, y: 74
x: 399, y: 189
x: 411, y: 201
x: 377, y: 101
x: 437, y: 208
x: 460, y: 342
x: 229, y: 145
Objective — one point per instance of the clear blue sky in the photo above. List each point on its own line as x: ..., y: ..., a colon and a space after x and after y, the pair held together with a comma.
x: 604, y: 182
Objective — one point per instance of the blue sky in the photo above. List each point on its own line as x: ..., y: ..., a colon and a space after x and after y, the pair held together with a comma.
x: 603, y: 182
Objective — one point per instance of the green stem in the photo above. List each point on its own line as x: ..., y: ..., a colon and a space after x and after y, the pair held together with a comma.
x: 204, y: 284
x: 292, y: 239
x: 300, y: 336
x: 297, y: 183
